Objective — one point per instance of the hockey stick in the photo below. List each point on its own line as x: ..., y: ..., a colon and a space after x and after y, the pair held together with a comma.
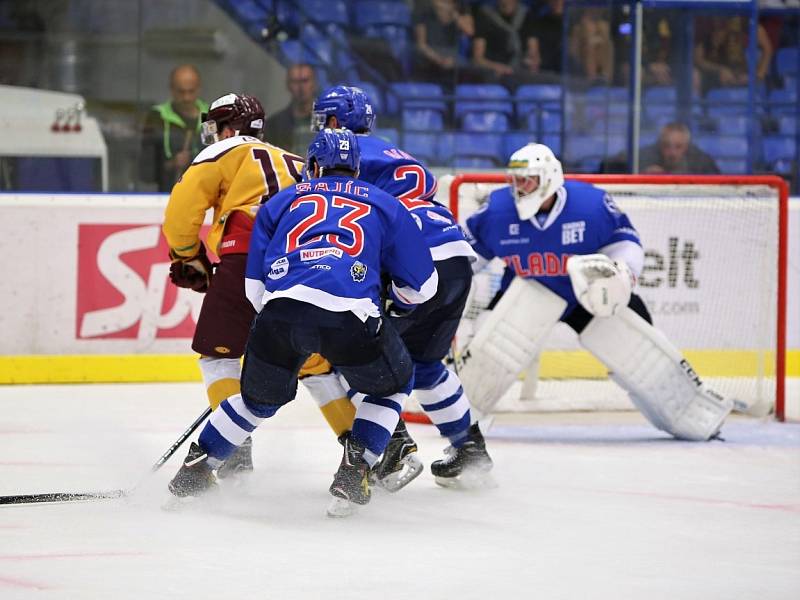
x: 46, y: 497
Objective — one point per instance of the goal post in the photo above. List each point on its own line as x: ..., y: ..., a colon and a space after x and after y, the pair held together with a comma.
x: 714, y: 278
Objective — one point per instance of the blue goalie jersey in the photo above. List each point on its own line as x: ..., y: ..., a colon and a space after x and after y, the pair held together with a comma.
x: 583, y: 220
x: 326, y: 242
x: 405, y: 178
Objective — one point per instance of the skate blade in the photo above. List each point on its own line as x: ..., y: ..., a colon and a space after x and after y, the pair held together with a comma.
x: 341, y: 507
x: 411, y: 468
x: 473, y: 479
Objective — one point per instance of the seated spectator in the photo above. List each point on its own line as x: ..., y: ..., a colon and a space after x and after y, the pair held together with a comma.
x: 501, y: 40
x: 720, y: 52
x: 440, y: 30
x: 290, y: 128
x: 673, y: 153
x: 590, y: 46
x: 659, y: 58
x: 171, y: 131
x: 544, y: 41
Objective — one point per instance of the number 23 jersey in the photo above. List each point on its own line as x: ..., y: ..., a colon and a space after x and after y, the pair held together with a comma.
x: 326, y: 242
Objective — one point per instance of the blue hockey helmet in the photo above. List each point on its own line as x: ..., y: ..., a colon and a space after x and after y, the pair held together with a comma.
x: 350, y: 105
x: 334, y: 149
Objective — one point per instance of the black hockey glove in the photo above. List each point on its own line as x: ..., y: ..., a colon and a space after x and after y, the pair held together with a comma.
x: 193, y: 272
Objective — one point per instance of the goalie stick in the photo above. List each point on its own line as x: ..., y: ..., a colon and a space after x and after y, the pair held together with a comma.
x: 50, y: 497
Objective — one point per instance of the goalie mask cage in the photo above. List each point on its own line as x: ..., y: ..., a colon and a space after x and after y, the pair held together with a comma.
x: 714, y: 281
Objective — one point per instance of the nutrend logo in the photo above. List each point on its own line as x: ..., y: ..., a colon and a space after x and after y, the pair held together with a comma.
x: 123, y: 286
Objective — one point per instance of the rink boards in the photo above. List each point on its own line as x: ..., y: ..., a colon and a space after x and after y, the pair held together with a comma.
x: 87, y: 296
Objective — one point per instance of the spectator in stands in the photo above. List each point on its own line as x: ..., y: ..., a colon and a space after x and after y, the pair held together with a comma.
x: 171, y: 132
x: 544, y: 40
x: 501, y: 46
x: 673, y: 153
x: 720, y: 52
x: 291, y: 128
x: 590, y: 45
x: 441, y: 29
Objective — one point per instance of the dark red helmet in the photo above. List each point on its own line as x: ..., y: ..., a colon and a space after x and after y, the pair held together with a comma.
x: 242, y: 113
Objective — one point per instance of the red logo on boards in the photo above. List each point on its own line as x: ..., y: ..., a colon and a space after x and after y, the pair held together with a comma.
x: 124, y: 290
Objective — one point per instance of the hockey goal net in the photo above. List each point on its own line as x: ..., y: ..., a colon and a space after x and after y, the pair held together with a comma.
x: 714, y: 281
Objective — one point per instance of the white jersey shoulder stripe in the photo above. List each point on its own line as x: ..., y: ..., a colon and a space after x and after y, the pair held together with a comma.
x: 215, y: 150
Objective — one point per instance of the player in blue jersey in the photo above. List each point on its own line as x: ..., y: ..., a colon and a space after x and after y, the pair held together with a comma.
x: 314, y: 274
x: 429, y: 330
x: 576, y: 257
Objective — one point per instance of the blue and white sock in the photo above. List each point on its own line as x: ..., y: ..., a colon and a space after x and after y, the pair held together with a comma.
x: 441, y: 396
x: 376, y: 419
x: 229, y: 426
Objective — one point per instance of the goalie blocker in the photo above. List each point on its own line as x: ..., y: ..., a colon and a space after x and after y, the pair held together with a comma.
x: 659, y: 381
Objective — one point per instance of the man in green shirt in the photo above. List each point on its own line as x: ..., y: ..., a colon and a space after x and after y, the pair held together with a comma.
x: 171, y: 132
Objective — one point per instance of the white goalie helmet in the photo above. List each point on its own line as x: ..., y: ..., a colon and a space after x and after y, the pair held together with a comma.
x: 534, y: 160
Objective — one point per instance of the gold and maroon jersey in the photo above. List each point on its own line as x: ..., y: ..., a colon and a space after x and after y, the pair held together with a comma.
x: 235, y: 174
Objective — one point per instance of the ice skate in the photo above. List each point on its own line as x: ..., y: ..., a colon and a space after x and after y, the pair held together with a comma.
x: 400, y: 464
x: 465, y: 467
x: 240, y: 462
x: 195, y: 477
x: 350, y: 486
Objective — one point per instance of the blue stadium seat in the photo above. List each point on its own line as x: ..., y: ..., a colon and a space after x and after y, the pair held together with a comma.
x: 648, y: 137
x: 660, y: 94
x: 424, y: 146
x: 473, y: 162
x: 293, y: 51
x: 489, y: 122
x: 608, y: 95
x: 727, y: 95
x: 550, y: 121
x: 612, y: 125
x: 552, y: 141
x: 319, y: 48
x: 787, y: 125
x: 659, y: 114
x: 412, y: 94
x: 779, y: 147
x: 485, y: 145
x: 532, y: 98
x: 734, y: 124
x: 787, y: 61
x: 732, y: 165
x: 580, y: 147
x: 722, y: 146
x: 473, y: 97
x: 423, y: 119
x: 326, y: 12
x: 390, y: 135
x: 371, y: 12
x: 515, y: 140
x: 248, y: 11
x: 783, y: 101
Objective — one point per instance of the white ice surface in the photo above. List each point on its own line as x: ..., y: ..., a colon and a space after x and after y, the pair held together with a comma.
x: 587, y: 506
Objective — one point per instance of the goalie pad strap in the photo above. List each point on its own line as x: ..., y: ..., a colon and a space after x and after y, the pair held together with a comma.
x: 508, y: 341
x: 660, y: 382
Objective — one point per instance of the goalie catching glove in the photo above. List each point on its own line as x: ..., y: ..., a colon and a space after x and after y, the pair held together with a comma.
x: 601, y: 285
x: 192, y: 272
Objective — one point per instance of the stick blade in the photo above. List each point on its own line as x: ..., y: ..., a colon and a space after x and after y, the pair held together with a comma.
x: 53, y: 497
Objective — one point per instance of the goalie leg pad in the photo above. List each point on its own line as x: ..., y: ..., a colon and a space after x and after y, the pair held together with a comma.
x: 659, y: 381
x: 508, y: 341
